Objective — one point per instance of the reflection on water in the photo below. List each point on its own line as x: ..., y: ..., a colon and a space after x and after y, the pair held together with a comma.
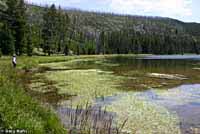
x: 184, y: 100
x: 191, y: 57
x: 136, y: 70
x: 181, y: 96
x: 88, y: 120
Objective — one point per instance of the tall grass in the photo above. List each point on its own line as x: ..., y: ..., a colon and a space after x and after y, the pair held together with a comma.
x: 90, y: 120
x: 20, y: 111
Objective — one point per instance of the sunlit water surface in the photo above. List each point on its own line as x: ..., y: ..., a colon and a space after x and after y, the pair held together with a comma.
x: 179, y: 96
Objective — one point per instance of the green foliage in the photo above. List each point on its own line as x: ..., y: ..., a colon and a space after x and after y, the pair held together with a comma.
x: 124, y: 42
x: 0, y: 53
x: 38, y: 52
x: 20, y: 111
x: 29, y: 49
x: 49, y: 29
x: 89, y: 47
x: 27, y: 64
x: 14, y: 27
x: 17, y: 23
x: 59, y: 31
x: 113, y: 33
x: 7, y: 41
x: 54, y: 30
x: 66, y: 50
x: 62, y: 29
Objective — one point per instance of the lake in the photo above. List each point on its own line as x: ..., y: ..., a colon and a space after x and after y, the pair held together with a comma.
x: 157, y: 94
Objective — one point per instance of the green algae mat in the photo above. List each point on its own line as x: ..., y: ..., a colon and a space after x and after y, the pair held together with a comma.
x: 95, y: 80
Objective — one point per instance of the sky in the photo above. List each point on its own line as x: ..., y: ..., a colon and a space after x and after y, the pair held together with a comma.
x: 184, y: 10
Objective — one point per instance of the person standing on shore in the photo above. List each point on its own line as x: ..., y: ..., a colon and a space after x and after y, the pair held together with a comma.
x: 14, y: 61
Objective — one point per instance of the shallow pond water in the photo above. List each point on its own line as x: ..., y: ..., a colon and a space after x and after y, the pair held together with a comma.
x: 162, y: 83
x: 183, y: 101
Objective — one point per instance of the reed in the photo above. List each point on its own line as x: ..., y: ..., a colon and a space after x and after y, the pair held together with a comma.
x: 90, y: 120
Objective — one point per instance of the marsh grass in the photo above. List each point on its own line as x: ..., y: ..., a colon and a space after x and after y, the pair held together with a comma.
x: 20, y: 111
x: 90, y: 120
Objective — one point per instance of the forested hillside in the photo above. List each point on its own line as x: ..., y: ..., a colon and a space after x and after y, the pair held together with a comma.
x: 70, y: 31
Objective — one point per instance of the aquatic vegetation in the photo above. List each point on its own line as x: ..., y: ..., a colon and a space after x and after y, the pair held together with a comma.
x: 144, y: 117
x: 92, y: 78
x: 184, y: 100
x: 86, y: 84
x: 89, y: 84
x: 90, y: 120
x: 59, y: 65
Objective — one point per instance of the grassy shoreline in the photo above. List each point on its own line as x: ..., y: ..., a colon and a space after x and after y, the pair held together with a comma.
x: 20, y: 110
x: 17, y: 109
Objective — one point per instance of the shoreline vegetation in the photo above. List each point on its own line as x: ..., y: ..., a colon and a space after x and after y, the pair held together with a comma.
x: 17, y: 108
x: 94, y: 61
x: 20, y: 109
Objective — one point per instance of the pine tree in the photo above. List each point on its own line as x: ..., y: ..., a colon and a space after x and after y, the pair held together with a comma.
x: 6, y: 41
x: 66, y: 50
x: 29, y: 49
x: 0, y: 53
x: 16, y: 10
x: 49, y: 29
x: 29, y: 44
x: 62, y: 29
x: 103, y: 42
x: 21, y: 28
